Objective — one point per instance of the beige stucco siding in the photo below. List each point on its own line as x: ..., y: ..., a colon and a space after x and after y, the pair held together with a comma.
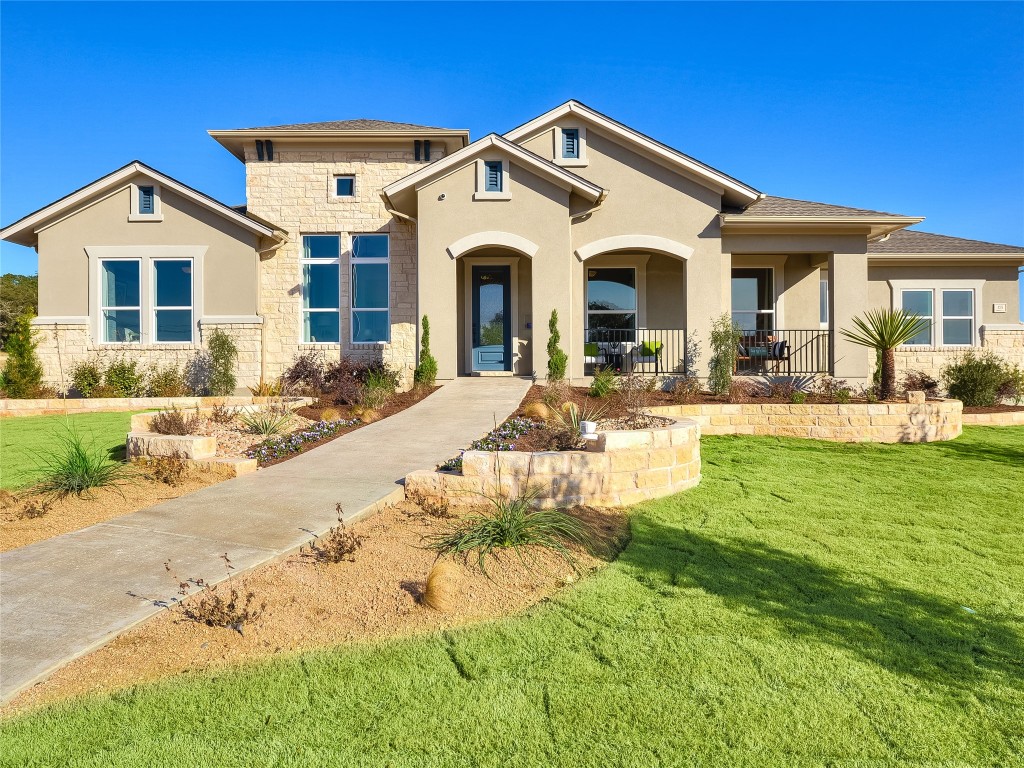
x: 538, y: 211
x: 1000, y: 286
x: 229, y: 265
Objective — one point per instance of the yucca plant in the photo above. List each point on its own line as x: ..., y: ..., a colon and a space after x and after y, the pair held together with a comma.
x: 513, y: 524
x: 76, y: 467
x: 266, y: 423
x: 883, y: 330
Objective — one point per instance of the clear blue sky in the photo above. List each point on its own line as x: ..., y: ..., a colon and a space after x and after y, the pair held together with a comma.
x: 913, y: 108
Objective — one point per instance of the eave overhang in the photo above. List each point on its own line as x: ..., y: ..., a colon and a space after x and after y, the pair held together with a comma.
x: 872, y: 227
x: 234, y: 140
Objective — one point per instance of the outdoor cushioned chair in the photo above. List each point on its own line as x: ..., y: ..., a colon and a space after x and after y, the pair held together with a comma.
x: 647, y: 352
x: 592, y: 353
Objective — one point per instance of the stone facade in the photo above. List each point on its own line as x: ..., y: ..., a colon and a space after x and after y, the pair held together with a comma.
x: 294, y: 192
x: 61, y: 346
x: 910, y: 422
x: 620, y: 468
x: 1007, y: 341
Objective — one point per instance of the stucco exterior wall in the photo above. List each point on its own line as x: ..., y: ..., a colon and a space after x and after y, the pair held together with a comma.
x: 537, y: 211
x: 294, y: 192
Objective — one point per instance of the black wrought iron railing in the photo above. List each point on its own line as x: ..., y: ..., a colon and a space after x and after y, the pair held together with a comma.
x: 783, y: 352
x: 648, y: 351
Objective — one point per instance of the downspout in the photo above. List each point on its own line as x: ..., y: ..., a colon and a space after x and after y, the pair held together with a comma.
x: 597, y: 204
x: 280, y: 241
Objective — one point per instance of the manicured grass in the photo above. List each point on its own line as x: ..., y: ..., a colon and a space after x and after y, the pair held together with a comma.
x: 26, y: 441
x: 808, y: 604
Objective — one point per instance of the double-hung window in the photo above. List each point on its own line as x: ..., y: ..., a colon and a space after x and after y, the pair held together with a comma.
x: 321, y: 289
x: 753, y: 299
x: 121, y: 300
x: 371, y: 316
x: 958, y: 316
x: 172, y: 300
x: 920, y: 302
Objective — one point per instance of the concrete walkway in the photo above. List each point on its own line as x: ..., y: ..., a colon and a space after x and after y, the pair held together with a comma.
x: 66, y: 596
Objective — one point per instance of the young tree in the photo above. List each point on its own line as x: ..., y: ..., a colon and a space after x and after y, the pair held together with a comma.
x: 223, y: 355
x: 725, y: 337
x: 883, y: 330
x: 557, y: 359
x: 22, y: 374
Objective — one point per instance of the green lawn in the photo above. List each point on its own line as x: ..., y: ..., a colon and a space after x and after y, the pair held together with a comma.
x: 25, y: 442
x: 809, y: 604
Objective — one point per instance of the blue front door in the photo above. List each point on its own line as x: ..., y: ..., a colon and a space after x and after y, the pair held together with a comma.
x: 492, y: 327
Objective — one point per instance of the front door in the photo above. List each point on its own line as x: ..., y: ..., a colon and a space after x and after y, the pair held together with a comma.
x: 492, y: 326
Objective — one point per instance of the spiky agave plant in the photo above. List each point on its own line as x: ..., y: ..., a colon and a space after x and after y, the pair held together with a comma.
x: 883, y: 330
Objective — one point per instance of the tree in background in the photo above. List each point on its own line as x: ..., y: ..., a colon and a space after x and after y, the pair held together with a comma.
x: 18, y: 294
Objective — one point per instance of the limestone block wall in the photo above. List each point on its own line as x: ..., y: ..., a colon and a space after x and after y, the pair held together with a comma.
x: 293, y: 191
x: 1001, y: 419
x: 911, y: 422
x: 1007, y: 341
x: 620, y: 468
x: 61, y: 346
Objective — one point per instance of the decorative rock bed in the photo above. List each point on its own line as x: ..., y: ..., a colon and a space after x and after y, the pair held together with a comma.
x: 620, y: 467
x: 916, y: 421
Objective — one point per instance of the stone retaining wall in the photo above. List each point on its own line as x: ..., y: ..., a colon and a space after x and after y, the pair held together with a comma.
x: 911, y: 422
x: 619, y: 468
x: 1004, y: 419
x: 58, y: 405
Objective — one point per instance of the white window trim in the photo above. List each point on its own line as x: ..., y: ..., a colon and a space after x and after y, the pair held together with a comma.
x: 332, y: 187
x: 481, y: 182
x: 145, y: 254
x: 104, y: 307
x: 937, y: 287
x: 570, y: 162
x: 157, y: 214
x: 192, y: 298
x: 352, y: 308
x: 303, y: 261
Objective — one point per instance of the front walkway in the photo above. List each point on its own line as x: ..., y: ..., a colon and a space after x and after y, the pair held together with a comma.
x: 66, y: 596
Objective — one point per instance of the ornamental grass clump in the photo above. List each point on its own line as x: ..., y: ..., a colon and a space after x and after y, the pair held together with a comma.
x: 76, y: 467
x: 513, y: 524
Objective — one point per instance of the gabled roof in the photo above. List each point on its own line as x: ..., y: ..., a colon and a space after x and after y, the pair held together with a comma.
x: 909, y: 241
x: 769, y: 205
x: 24, y: 230
x: 733, y: 189
x: 539, y: 165
x: 361, y: 124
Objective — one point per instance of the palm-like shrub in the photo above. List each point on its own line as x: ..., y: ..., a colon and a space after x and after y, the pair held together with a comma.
x: 883, y: 330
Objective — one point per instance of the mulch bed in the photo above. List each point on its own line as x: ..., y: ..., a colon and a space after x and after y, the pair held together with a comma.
x: 398, y: 402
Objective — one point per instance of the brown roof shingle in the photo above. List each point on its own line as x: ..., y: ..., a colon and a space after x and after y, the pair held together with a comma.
x: 361, y: 124
x: 770, y: 205
x: 913, y: 241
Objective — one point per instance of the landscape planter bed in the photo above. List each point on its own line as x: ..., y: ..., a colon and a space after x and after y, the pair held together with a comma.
x: 619, y: 468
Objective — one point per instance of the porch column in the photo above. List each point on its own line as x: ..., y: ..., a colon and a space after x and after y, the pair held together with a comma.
x: 848, y: 298
x: 708, y: 286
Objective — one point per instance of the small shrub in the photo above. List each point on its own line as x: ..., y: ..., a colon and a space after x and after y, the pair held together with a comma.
x: 426, y: 372
x: 379, y: 387
x: 798, y: 398
x: 603, y: 383
x: 104, y: 390
x: 1013, y: 387
x: 34, y: 509
x: 685, y: 389
x: 218, y: 605
x: 832, y: 390
x: 75, y: 467
x: 555, y: 393
x: 780, y: 388
x: 513, y: 524
x: 306, y: 375
x: 725, y: 337
x: 435, y: 506
x: 266, y: 389
x: 86, y: 376
x: 337, y: 545
x: 223, y: 357
x: 440, y: 591
x: 124, y: 377
x: 166, y: 382
x: 170, y: 470
x: 557, y: 359
x: 976, y: 378
x: 919, y: 381
x: 635, y: 393
x: 175, y: 422
x: 22, y: 373
x: 222, y: 414
x: 267, y: 423
x: 330, y: 414
x: 742, y: 390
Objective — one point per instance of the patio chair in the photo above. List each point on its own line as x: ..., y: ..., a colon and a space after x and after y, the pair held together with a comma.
x: 645, y: 353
